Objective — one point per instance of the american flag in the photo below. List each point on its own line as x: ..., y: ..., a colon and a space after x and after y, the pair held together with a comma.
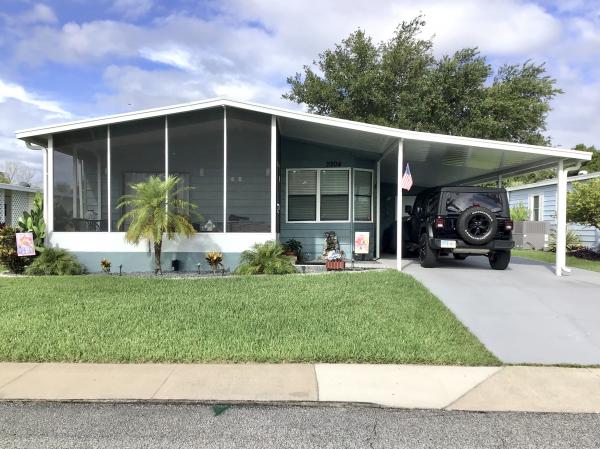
x: 407, y: 180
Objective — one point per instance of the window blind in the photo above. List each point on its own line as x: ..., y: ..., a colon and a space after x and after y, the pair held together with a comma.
x: 363, y: 195
x: 302, y: 195
x: 334, y: 195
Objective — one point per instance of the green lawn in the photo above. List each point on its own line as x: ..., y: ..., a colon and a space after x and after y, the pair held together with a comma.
x: 379, y: 317
x: 544, y: 256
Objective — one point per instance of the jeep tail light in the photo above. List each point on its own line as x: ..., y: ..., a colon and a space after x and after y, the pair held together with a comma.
x: 439, y: 223
x: 508, y: 225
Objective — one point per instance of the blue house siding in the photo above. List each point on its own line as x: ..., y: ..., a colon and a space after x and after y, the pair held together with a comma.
x: 299, y: 154
x: 589, y: 236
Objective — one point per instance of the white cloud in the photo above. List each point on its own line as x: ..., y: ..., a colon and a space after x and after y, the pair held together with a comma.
x: 40, y: 13
x: 132, y: 9
x: 173, y: 56
x: 51, y: 109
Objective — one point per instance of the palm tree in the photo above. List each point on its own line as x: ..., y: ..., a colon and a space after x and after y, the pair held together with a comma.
x: 149, y: 217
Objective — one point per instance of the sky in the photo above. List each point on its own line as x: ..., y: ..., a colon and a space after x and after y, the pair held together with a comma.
x: 64, y: 60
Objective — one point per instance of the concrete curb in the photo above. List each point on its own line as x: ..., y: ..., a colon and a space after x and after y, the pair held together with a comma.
x: 511, y: 388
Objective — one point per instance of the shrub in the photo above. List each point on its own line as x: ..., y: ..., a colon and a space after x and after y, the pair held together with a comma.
x: 8, y: 250
x: 105, y: 265
x: 292, y: 246
x: 214, y: 259
x: 586, y: 253
x: 573, y: 242
x: 519, y: 213
x: 265, y: 258
x: 33, y: 221
x: 55, y: 261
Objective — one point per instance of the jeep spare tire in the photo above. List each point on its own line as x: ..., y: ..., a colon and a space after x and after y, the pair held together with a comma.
x: 477, y: 225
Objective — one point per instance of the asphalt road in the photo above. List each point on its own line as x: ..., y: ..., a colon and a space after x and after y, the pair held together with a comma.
x: 134, y: 425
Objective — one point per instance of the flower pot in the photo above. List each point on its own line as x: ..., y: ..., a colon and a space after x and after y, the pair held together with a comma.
x: 335, y: 265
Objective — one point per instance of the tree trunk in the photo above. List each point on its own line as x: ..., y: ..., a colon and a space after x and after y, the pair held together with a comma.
x: 157, y: 251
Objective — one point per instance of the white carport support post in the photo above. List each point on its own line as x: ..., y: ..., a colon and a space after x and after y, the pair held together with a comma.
x: 378, y: 204
x: 399, y: 208
x: 561, y: 220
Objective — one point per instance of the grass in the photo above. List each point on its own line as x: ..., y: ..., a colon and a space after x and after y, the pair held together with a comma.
x: 377, y: 317
x: 549, y: 257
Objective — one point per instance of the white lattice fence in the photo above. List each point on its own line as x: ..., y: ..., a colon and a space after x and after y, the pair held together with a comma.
x: 21, y: 202
x: 2, y: 203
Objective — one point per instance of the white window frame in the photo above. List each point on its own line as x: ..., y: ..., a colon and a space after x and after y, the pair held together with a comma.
x: 540, y: 208
x: 372, y: 194
x: 318, y: 215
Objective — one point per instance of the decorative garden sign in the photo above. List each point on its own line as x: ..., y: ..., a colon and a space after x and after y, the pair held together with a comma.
x: 361, y: 242
x: 25, y: 246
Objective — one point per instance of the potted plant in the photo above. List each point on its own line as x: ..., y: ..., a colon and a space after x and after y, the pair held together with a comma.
x: 215, y: 260
x: 105, y: 265
x: 332, y: 253
x: 292, y: 249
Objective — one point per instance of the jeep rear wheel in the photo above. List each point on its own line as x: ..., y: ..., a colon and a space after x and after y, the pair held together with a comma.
x: 427, y: 256
x: 499, y: 260
x: 477, y: 225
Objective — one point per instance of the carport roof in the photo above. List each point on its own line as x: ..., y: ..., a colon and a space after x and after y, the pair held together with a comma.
x: 434, y: 158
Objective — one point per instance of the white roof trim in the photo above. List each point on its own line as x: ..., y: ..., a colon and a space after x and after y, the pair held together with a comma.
x: 549, y: 182
x: 306, y: 117
x: 19, y: 188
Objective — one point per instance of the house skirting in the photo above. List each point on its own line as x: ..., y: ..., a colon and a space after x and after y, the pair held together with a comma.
x: 144, y: 262
x: 91, y: 247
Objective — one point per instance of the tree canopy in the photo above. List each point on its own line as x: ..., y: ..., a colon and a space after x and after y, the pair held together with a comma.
x: 583, y: 204
x: 401, y: 83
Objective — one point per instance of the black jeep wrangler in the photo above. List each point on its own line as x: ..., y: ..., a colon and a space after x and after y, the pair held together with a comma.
x: 461, y: 221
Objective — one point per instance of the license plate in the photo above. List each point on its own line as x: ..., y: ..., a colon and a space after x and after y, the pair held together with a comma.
x: 448, y: 243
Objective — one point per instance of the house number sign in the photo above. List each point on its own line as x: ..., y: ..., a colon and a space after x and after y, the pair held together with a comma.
x: 330, y: 164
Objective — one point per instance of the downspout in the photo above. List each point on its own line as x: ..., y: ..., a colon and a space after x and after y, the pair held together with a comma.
x: 33, y: 146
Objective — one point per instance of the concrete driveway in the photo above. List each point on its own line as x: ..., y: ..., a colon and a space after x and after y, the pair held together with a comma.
x: 524, y: 314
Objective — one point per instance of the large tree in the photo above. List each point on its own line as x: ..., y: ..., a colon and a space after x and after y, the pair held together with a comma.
x: 401, y: 83
x: 593, y: 165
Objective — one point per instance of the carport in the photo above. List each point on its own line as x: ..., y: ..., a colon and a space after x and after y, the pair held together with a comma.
x: 436, y: 160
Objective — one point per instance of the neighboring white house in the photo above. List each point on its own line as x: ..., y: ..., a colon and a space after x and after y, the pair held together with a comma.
x: 14, y: 200
x: 256, y: 173
x: 540, y: 199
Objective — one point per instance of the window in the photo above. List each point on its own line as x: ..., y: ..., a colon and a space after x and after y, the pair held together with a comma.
x: 456, y: 202
x: 302, y: 195
x: 363, y: 195
x: 318, y: 194
x: 535, y: 207
x: 80, y: 181
x: 335, y: 191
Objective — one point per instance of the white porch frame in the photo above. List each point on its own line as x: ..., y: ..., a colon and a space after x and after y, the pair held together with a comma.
x: 274, y: 177
x: 399, y: 207
x: 50, y: 181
